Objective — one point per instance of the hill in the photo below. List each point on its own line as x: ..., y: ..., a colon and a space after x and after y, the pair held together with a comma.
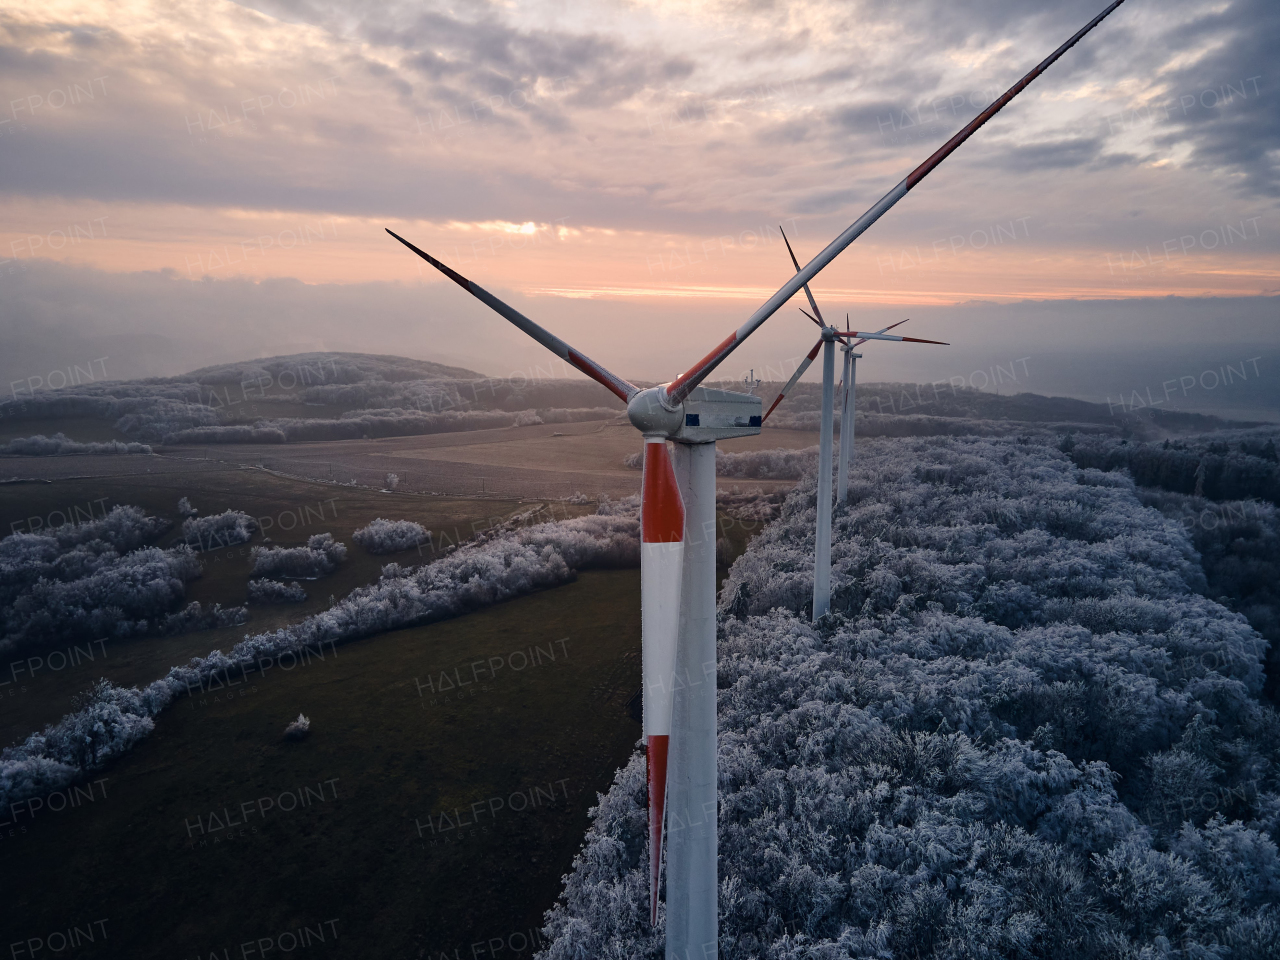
x: 346, y: 396
x: 329, y: 368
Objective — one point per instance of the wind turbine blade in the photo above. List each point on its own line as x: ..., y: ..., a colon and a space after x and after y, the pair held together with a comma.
x: 882, y: 330
x: 683, y: 385
x: 804, y: 365
x: 812, y: 317
x: 661, y: 572
x: 807, y: 292
x: 545, y: 337
x: 865, y: 335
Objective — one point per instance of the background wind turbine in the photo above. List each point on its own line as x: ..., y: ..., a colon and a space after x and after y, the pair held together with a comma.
x: 822, y: 535
x: 694, y: 418
x: 849, y: 383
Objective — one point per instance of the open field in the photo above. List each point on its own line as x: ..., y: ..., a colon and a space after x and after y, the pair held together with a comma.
x: 546, y: 460
x: 393, y: 750
x: 290, y: 510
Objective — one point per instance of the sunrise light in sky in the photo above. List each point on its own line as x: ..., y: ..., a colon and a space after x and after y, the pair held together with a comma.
x: 638, y: 157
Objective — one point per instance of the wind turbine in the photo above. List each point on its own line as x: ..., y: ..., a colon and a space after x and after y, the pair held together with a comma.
x: 677, y: 573
x: 827, y: 341
x: 848, y: 398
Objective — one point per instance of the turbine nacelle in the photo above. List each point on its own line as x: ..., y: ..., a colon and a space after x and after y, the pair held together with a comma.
x: 705, y: 416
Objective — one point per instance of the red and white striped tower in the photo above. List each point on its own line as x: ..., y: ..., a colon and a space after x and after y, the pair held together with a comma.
x: 661, y: 570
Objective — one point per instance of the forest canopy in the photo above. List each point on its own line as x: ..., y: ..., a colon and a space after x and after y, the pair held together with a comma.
x: 1023, y: 731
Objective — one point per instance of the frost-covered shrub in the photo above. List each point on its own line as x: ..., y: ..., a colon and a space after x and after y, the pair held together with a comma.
x: 389, y: 536
x: 273, y: 591
x: 218, y: 530
x: 1023, y: 731
x: 527, y: 418
x: 298, y: 729
x: 185, y: 509
x: 508, y: 564
x: 319, y: 557
x: 58, y: 445
x: 195, y: 617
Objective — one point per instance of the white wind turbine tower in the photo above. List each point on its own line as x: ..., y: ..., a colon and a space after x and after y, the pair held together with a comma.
x: 826, y: 342
x: 677, y: 572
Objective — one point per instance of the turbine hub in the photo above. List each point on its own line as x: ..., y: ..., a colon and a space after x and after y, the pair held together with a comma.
x: 651, y: 416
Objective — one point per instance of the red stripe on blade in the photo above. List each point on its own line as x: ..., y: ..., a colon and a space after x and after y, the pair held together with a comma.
x: 661, y: 507
x: 657, y: 802
x: 598, y: 374
x: 676, y: 387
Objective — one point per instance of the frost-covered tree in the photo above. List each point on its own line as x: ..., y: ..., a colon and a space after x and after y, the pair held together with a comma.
x: 390, y: 536
x: 59, y: 446
x: 319, y: 557
x: 264, y: 590
x: 96, y: 579
x: 218, y: 530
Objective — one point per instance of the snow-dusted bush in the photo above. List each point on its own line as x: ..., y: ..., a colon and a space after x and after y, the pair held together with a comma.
x: 218, y: 530
x: 527, y: 418
x: 195, y: 617
x: 185, y: 509
x: 390, y: 536
x: 1023, y: 732
x: 298, y: 729
x: 59, y: 445
x: 90, y: 580
x: 273, y: 591
x: 508, y: 564
x: 319, y: 557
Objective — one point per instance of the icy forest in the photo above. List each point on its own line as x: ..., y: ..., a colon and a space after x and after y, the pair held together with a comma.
x: 1024, y: 731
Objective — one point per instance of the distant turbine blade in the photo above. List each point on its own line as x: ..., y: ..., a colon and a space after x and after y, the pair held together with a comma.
x: 812, y: 317
x: 807, y: 292
x: 882, y: 330
x: 661, y: 572
x: 794, y: 377
x: 685, y: 384
x: 865, y: 335
x: 549, y: 340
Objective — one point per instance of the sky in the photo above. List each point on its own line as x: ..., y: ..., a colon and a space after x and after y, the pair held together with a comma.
x: 184, y: 183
